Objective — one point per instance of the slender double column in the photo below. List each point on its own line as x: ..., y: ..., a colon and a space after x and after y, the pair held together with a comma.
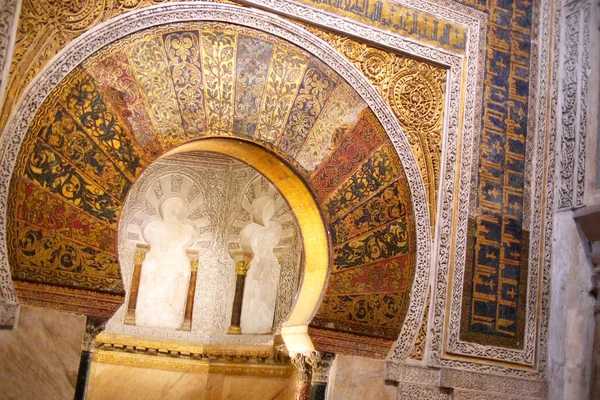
x: 139, y: 256
x: 241, y: 269
x: 189, y: 304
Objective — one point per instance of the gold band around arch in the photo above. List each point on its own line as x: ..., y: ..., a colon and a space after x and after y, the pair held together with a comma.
x: 312, y: 229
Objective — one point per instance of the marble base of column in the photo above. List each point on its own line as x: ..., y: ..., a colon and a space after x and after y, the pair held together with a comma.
x: 83, y: 375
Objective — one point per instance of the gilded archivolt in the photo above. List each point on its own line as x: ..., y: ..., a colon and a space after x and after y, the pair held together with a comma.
x: 413, y: 89
x: 375, y: 168
x: 415, y: 92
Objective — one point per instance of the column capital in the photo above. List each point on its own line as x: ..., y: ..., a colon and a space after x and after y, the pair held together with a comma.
x: 242, y: 267
x: 320, y: 363
x: 140, y: 253
x: 299, y: 361
x: 194, y: 264
x: 93, y: 327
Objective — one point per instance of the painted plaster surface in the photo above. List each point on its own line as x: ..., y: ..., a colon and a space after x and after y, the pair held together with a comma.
x: 358, y: 378
x: 572, y: 310
x: 40, y: 357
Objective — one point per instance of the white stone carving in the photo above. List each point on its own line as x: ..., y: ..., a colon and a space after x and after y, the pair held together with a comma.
x: 574, y: 99
x: 427, y: 380
x: 9, y: 314
x: 166, y: 271
x: 9, y: 13
x: 535, y: 216
x: 289, y: 249
x: 219, y: 190
x: 262, y: 279
x: 455, y: 170
x: 8, y: 16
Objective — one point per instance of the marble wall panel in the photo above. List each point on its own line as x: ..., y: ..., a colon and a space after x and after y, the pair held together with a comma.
x: 358, y: 378
x: 571, y: 328
x: 255, y: 388
x: 110, y: 381
x: 44, y: 350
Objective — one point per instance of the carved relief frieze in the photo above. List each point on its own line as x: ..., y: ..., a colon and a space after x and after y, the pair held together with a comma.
x: 8, y: 14
x: 8, y: 20
x: 574, y: 99
x: 246, y: 365
x: 289, y: 249
x: 459, y: 143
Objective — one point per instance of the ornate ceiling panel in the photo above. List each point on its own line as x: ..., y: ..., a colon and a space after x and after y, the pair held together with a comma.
x: 154, y: 90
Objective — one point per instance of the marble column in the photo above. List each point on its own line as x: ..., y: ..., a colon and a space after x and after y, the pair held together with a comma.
x: 320, y: 363
x: 140, y: 254
x: 241, y: 269
x: 92, y: 328
x: 303, y: 377
x: 189, y: 304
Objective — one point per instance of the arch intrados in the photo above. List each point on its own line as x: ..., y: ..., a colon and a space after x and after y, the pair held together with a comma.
x: 92, y: 41
x: 304, y: 207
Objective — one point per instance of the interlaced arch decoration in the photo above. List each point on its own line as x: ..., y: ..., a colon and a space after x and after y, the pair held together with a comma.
x: 288, y: 249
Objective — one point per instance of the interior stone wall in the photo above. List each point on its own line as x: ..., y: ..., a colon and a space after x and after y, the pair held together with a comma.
x: 358, y: 378
x: 44, y: 350
x: 108, y: 382
x: 572, y: 310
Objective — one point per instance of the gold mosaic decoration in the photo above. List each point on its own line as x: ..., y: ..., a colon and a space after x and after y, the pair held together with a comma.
x: 169, y: 85
x: 47, y: 26
x: 413, y: 90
